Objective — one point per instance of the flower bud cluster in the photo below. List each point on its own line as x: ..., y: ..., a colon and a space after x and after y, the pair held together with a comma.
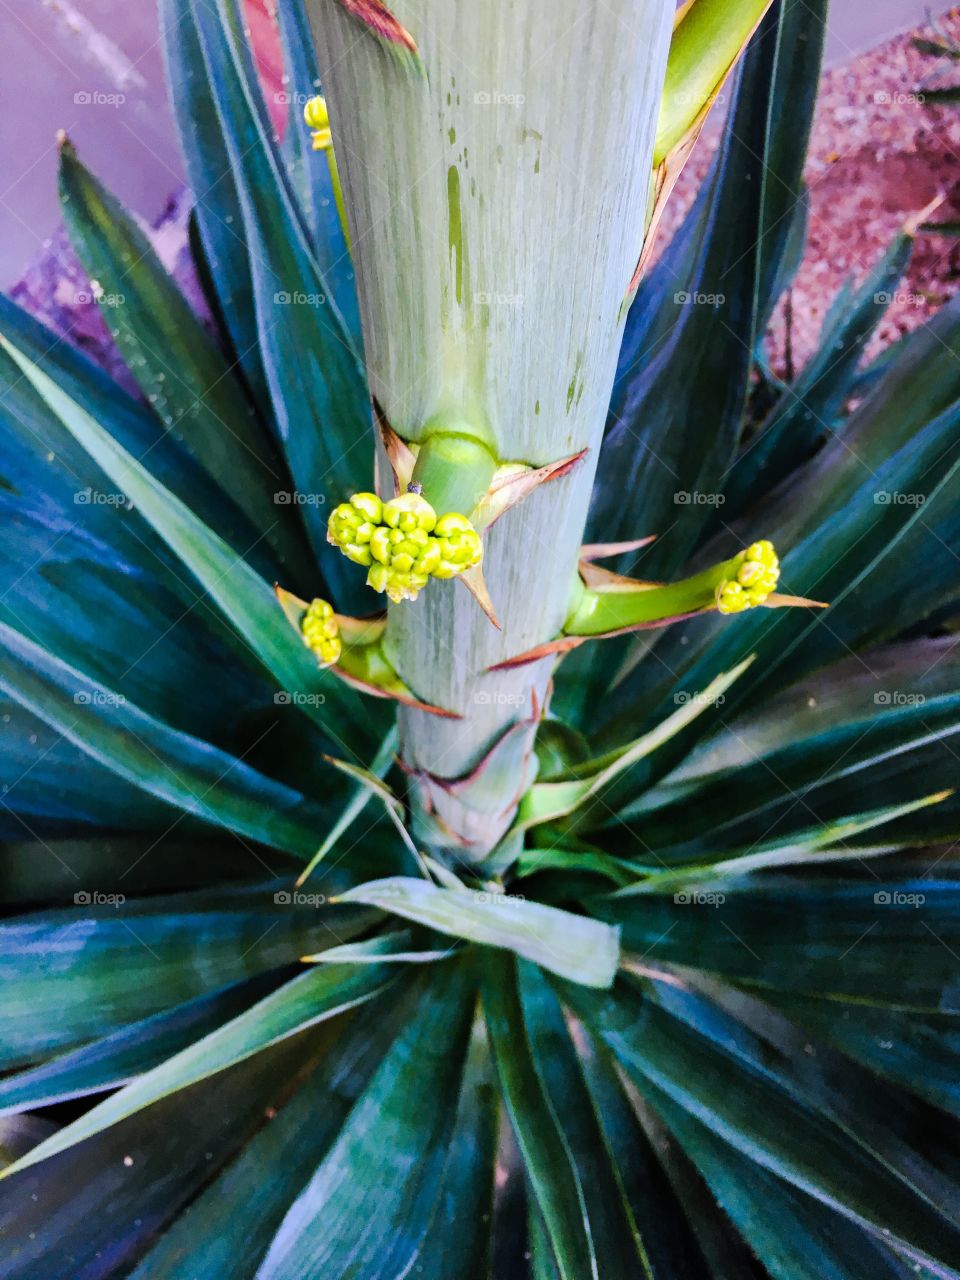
x: 321, y: 631
x: 403, y: 543
x: 756, y: 574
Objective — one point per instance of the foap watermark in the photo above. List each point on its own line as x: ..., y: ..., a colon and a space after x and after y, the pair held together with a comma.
x: 497, y: 98
x: 686, y: 99
x: 897, y: 898
x: 499, y: 899
x: 697, y: 299
x: 298, y: 298
x: 98, y: 698
x: 98, y: 498
x: 294, y: 498
x: 687, y: 498
x: 97, y: 98
x: 898, y: 698
x: 898, y: 98
x: 897, y: 498
x: 900, y: 298
x: 87, y: 297
x: 485, y: 698
x: 296, y: 698
x: 287, y: 98
x: 94, y: 898
x: 498, y: 299
x: 682, y: 698
x: 699, y: 898
x: 295, y: 898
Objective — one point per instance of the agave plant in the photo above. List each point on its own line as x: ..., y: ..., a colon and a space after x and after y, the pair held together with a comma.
x: 590, y: 910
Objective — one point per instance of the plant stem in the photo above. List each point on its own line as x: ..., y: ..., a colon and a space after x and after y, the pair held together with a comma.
x: 496, y: 219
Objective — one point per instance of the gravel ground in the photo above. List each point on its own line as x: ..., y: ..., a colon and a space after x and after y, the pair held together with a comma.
x: 879, y: 154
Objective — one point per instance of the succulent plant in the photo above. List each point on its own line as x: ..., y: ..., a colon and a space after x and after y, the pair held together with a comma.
x: 591, y: 910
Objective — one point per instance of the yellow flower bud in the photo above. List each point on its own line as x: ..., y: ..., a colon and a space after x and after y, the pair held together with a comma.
x: 757, y: 572
x: 321, y: 631
x: 316, y: 115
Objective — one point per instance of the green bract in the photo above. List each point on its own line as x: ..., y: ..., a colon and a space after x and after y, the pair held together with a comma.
x: 592, y: 910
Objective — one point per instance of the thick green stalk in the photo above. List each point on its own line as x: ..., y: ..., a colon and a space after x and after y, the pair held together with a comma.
x: 496, y: 164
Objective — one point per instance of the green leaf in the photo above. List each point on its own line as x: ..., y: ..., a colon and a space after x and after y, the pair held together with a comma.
x: 359, y: 801
x: 683, y: 1235
x: 245, y: 599
x: 458, y: 1242
x: 131, y: 423
x: 309, y: 170
x: 811, y: 847
x: 347, y: 1221
x: 218, y: 212
x: 187, y: 773
x: 808, y: 408
x: 120, y: 961
x: 115, y: 1059
x: 897, y: 750
x: 820, y: 936
x: 316, y: 381
x: 918, y: 1051
x: 610, y: 1223
x: 863, y: 515
x: 600, y: 790
x: 574, y: 946
x: 312, y: 997
x: 53, y: 1217
x: 551, y: 1171
x: 793, y: 1236
x: 882, y: 686
x: 269, y: 1172
x: 186, y: 379
x: 671, y: 436
x: 763, y: 1108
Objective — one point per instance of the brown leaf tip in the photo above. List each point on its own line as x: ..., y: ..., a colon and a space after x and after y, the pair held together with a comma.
x: 378, y: 19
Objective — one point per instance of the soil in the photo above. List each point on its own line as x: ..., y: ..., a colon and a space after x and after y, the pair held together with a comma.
x: 879, y: 154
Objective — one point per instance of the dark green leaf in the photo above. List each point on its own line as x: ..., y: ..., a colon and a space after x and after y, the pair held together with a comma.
x: 187, y: 773
x: 74, y: 975
x: 717, y: 1072
x: 313, y: 996
x: 551, y: 1170
x: 186, y: 379
x: 313, y: 371
x: 367, y: 1209
x: 243, y: 596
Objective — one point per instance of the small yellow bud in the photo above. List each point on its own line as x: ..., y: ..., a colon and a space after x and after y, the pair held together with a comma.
x: 316, y: 115
x: 408, y: 512
x: 756, y: 574
x: 321, y: 631
x: 402, y: 543
x: 459, y: 544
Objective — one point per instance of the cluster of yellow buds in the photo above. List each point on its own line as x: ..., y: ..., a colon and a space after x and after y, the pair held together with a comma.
x: 403, y: 542
x: 321, y: 631
x: 757, y: 572
x: 316, y: 116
